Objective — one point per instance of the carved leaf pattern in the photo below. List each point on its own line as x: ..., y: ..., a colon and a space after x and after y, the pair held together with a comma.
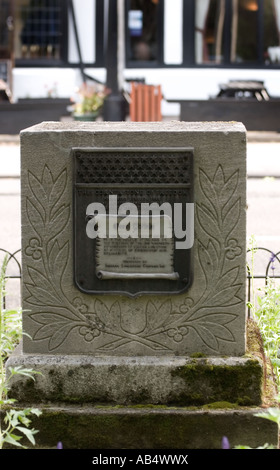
x: 38, y: 191
x: 41, y: 296
x: 229, y: 189
x: 231, y: 218
x: 59, y: 221
x: 209, y: 223
x: 209, y: 192
x: 58, y: 261
x: 48, y: 216
x: 110, y: 317
x: 207, y: 316
x: 35, y: 218
x: 57, y: 190
x: 217, y: 217
x: 209, y: 261
x: 211, y: 328
x: 155, y: 321
x: 54, y: 327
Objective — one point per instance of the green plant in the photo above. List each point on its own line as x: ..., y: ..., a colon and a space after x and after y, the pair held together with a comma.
x: 91, y: 99
x: 16, y: 422
x: 272, y: 414
x: 265, y: 446
x: 268, y: 318
x: 265, y: 309
x: 253, y: 249
x: 11, y: 331
x: 266, y: 312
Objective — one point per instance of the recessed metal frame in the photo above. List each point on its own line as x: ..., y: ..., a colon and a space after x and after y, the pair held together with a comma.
x: 88, y: 187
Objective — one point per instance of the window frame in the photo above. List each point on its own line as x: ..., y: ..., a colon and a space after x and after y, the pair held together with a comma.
x: 63, y: 62
x: 159, y: 62
x: 189, y: 23
x: 22, y: 62
x: 189, y: 41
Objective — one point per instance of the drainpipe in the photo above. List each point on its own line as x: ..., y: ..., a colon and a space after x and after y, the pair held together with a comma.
x: 114, y: 106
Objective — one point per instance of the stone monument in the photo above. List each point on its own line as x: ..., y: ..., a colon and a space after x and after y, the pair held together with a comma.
x: 133, y: 284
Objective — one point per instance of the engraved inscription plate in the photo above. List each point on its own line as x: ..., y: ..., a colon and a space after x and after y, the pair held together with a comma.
x: 131, y: 208
x: 136, y: 257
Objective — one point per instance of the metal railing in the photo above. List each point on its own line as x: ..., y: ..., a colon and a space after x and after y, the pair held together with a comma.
x: 270, y: 267
x: 13, y: 270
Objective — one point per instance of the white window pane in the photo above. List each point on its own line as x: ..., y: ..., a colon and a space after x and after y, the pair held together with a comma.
x: 173, y: 31
x: 85, y: 20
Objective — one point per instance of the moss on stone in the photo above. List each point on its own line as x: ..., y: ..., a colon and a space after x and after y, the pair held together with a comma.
x: 255, y: 348
x: 239, y: 383
x: 197, y: 354
x: 150, y: 427
x: 199, y: 381
x: 220, y: 405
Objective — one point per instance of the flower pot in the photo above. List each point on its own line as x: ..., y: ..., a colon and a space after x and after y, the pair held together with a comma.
x: 86, y: 117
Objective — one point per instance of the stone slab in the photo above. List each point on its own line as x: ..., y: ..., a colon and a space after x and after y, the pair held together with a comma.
x: 151, y: 428
x: 137, y: 380
x: 209, y: 318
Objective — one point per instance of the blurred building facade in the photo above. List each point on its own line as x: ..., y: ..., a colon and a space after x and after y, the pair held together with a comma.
x: 189, y: 47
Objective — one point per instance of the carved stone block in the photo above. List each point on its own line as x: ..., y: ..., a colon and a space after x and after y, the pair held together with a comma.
x: 208, y: 317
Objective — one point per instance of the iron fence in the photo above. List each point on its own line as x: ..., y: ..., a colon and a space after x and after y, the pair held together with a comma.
x: 13, y: 270
x: 262, y: 264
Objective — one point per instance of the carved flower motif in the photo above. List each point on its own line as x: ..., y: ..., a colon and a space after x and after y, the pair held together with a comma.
x: 188, y: 303
x: 83, y: 308
x: 95, y: 322
x: 232, y: 249
x: 93, y: 329
x: 177, y: 334
x: 34, y: 249
x: 89, y: 333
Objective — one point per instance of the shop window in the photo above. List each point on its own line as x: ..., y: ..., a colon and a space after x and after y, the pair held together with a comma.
x: 209, y: 31
x: 244, y: 46
x: 271, y: 48
x: 143, y: 30
x: 38, y: 29
x: 255, y: 31
x: 6, y: 27
x: 236, y: 32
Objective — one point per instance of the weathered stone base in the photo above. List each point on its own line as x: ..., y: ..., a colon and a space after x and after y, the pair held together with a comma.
x: 143, y: 402
x: 174, y: 381
x: 150, y: 428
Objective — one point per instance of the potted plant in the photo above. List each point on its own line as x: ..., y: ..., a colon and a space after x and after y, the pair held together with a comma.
x: 90, y: 102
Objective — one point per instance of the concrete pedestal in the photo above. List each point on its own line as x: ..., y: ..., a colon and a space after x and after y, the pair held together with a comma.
x: 156, y: 370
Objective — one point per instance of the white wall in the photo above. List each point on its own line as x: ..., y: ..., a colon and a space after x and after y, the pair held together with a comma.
x: 37, y: 82
x: 173, y: 32
x: 176, y: 83
x: 85, y: 21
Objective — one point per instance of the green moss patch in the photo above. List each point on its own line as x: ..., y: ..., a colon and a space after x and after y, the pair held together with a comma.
x: 255, y: 349
x: 207, y: 382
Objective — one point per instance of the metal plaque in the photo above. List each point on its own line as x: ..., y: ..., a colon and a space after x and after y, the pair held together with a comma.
x: 133, y: 220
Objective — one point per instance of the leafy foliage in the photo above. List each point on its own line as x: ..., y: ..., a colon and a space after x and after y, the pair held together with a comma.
x: 266, y: 311
x: 17, y: 422
x: 268, y: 318
x: 267, y: 314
